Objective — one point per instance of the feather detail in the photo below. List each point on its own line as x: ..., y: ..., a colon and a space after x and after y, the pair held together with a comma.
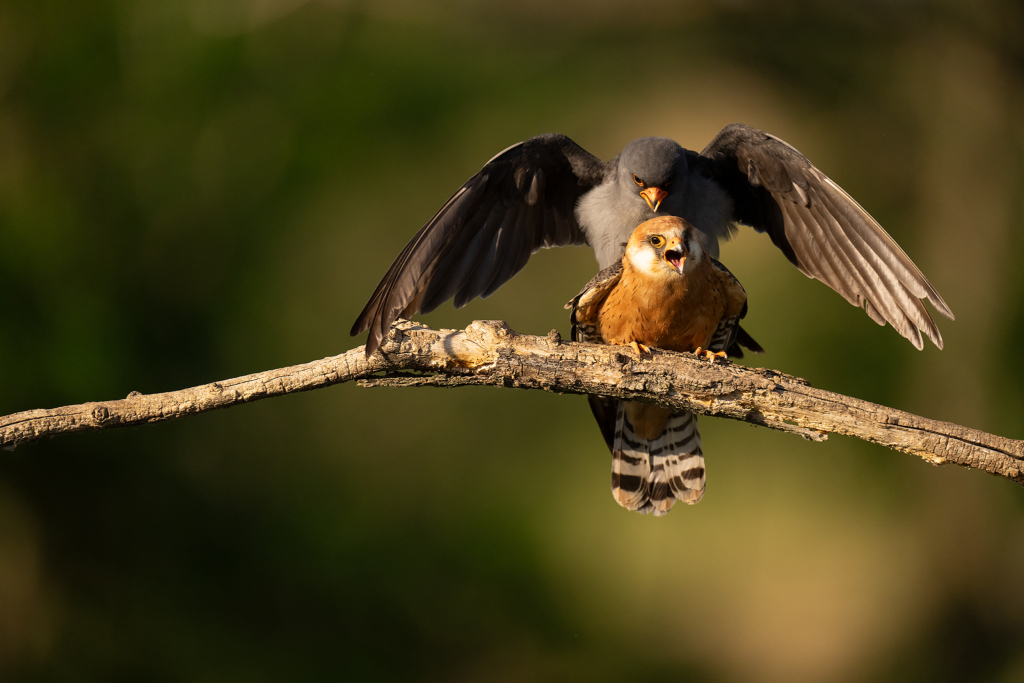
x: 650, y: 474
x: 679, y: 303
x: 631, y: 467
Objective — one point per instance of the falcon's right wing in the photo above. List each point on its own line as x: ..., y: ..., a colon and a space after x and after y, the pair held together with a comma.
x: 521, y: 200
x: 584, y: 307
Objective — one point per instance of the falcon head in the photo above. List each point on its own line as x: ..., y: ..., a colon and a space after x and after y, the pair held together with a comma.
x: 665, y: 247
x: 648, y: 166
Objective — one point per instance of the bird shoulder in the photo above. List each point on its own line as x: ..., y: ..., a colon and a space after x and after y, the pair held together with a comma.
x: 735, y: 295
x: 587, y: 303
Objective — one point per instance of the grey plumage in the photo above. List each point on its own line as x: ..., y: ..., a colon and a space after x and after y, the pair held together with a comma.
x: 547, y: 191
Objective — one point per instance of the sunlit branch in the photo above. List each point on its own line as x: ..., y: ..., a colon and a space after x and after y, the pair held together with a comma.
x: 490, y: 353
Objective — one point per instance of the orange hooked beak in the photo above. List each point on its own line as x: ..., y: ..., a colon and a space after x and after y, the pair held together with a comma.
x: 675, y: 254
x: 654, y: 196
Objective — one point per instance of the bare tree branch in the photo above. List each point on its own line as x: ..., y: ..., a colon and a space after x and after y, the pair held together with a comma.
x: 490, y: 353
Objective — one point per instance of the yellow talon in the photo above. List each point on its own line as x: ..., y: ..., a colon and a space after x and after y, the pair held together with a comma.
x: 700, y: 352
x: 639, y: 348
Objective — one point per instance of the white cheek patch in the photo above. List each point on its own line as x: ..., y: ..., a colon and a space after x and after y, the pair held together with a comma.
x: 644, y: 261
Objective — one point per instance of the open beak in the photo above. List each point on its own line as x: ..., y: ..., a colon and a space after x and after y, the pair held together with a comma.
x: 654, y: 196
x: 675, y: 254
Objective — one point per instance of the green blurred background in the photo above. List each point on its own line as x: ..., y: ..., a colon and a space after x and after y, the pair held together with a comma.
x: 193, y: 190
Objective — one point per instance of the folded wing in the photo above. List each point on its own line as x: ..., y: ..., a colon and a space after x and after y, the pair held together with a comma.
x: 584, y: 307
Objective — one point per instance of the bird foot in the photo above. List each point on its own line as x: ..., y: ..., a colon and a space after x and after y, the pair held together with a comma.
x: 710, y: 355
x: 640, y: 349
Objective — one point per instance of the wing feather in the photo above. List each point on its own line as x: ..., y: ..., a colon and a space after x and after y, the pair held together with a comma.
x: 534, y: 185
x: 483, y: 268
x: 584, y: 328
x: 512, y: 259
x: 821, y: 229
x: 584, y: 305
x: 455, y: 267
x: 866, y: 257
x: 875, y: 280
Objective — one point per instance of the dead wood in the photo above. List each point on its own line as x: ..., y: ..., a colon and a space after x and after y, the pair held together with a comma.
x: 490, y: 353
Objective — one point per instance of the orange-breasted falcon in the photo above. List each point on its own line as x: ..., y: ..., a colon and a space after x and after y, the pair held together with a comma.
x: 665, y: 291
x: 547, y: 191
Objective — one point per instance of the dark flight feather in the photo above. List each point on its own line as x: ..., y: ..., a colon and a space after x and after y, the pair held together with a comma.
x: 524, y: 199
x: 821, y: 229
x: 463, y: 251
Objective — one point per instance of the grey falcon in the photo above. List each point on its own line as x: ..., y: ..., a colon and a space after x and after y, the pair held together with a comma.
x: 548, y: 191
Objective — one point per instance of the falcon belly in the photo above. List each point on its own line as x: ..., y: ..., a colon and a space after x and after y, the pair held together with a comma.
x: 666, y: 291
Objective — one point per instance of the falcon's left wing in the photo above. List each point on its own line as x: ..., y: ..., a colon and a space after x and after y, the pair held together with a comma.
x: 821, y: 229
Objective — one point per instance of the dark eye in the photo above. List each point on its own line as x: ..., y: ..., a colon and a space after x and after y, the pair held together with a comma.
x: 668, y: 182
x: 638, y: 181
x: 657, y: 241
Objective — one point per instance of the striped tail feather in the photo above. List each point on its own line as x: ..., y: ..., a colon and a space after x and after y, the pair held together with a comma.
x: 650, y: 474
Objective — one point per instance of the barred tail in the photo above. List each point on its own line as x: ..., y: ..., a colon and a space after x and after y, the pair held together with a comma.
x: 656, y: 458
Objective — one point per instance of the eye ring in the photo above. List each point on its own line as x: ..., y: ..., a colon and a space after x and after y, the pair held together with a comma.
x: 657, y: 241
x: 638, y: 181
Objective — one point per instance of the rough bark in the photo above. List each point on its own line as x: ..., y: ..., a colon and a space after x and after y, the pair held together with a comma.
x: 490, y: 353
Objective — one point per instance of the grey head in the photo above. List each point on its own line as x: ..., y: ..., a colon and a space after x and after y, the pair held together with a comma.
x: 649, y: 180
x: 649, y: 164
x: 657, y: 168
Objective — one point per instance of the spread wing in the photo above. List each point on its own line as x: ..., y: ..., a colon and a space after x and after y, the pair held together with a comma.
x: 821, y: 229
x: 521, y: 200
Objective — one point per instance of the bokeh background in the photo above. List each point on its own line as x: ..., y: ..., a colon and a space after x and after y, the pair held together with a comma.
x: 192, y: 190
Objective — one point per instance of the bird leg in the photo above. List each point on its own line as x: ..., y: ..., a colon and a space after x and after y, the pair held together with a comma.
x: 710, y: 355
